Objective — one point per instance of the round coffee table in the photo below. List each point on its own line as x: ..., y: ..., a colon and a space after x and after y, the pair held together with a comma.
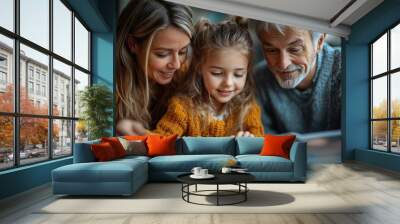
x: 238, y: 179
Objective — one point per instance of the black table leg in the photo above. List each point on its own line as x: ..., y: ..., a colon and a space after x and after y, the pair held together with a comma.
x: 217, y: 194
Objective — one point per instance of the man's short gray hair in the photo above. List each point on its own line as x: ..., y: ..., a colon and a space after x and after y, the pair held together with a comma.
x: 266, y: 26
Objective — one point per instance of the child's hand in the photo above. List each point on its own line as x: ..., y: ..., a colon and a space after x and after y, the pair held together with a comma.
x: 131, y: 127
x: 244, y: 134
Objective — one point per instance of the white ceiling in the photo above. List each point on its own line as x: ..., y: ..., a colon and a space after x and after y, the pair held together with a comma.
x: 315, y: 15
x: 319, y: 9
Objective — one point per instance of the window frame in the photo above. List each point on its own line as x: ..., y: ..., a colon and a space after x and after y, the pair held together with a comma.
x: 388, y: 74
x: 16, y: 115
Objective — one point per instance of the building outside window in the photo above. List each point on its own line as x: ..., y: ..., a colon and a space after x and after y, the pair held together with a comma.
x: 56, y: 125
x: 30, y: 87
x: 385, y: 91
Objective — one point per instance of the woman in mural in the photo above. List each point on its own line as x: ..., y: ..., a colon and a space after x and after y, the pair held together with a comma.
x: 217, y: 97
x: 153, y: 39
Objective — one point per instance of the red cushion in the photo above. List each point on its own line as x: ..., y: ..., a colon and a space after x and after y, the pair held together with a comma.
x: 275, y: 145
x: 116, y: 145
x: 158, y: 145
x: 135, y: 137
x: 103, y: 151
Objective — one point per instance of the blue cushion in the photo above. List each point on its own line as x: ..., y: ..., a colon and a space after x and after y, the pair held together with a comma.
x: 257, y: 163
x: 208, y: 145
x: 247, y: 145
x: 185, y: 163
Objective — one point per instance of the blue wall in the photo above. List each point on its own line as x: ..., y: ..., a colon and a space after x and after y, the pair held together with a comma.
x: 99, y: 15
x: 356, y: 83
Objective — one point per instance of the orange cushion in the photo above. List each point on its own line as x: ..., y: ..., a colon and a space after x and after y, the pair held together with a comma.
x: 158, y: 145
x: 116, y: 145
x: 103, y: 151
x: 275, y: 145
x: 135, y: 137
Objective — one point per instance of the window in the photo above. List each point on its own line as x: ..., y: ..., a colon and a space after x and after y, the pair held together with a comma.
x: 385, y: 91
x: 43, y: 90
x: 38, y: 80
x: 38, y: 89
x: 3, y: 61
x: 30, y: 87
x: 30, y: 72
x: 3, y: 78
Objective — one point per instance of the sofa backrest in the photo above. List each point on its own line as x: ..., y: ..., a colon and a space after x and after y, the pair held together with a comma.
x: 248, y: 145
x: 207, y: 145
x: 83, y: 152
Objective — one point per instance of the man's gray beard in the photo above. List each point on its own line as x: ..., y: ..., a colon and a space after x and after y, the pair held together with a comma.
x: 293, y: 83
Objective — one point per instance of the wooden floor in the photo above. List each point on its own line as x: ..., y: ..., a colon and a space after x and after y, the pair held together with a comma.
x: 377, y: 188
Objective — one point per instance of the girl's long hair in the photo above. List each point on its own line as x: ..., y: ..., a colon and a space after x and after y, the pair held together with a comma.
x: 209, y: 38
x: 141, y: 20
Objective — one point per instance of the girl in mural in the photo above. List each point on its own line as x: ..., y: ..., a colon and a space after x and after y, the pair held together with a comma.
x: 153, y: 39
x: 217, y: 97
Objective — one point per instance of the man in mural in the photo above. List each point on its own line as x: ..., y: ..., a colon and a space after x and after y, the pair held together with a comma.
x: 298, y: 84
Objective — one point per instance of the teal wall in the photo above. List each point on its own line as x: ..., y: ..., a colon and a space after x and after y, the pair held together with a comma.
x: 356, y: 85
x: 99, y: 15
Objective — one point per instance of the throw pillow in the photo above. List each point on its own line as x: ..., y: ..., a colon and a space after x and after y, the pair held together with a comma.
x: 103, y: 151
x: 116, y: 145
x: 277, y: 145
x: 135, y: 137
x: 133, y: 147
x: 161, y: 145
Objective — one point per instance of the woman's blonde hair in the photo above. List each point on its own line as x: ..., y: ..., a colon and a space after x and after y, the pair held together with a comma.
x: 209, y: 38
x: 141, y: 20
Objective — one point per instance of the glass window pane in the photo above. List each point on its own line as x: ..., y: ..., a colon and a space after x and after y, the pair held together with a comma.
x: 81, y: 81
x: 6, y: 74
x: 7, y: 14
x: 6, y: 142
x: 379, y: 97
x: 379, y: 135
x: 62, y: 29
x: 379, y: 55
x: 395, y: 47
x: 395, y: 136
x: 34, y: 96
x: 62, y: 89
x: 62, y: 138
x: 395, y: 94
x: 81, y: 131
x: 81, y: 45
x: 33, y: 140
x: 35, y: 21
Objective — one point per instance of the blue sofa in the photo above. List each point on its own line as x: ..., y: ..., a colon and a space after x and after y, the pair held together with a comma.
x: 125, y: 176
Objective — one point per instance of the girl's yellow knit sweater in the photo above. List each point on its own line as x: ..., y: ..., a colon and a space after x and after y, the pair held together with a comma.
x: 180, y: 119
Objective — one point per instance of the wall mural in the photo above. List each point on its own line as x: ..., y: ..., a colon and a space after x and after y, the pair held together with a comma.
x: 194, y: 72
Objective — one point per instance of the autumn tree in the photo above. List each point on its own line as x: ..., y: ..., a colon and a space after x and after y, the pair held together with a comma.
x: 33, y: 130
x: 380, y: 127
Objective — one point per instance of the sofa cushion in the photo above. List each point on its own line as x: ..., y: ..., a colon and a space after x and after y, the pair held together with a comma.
x: 116, y: 145
x: 133, y: 147
x: 159, y: 145
x: 111, y: 171
x: 257, y: 163
x: 249, y: 145
x: 185, y: 163
x: 103, y: 152
x: 208, y: 145
x: 277, y: 145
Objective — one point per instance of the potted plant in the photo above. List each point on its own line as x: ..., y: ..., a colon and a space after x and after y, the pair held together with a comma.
x: 96, y: 104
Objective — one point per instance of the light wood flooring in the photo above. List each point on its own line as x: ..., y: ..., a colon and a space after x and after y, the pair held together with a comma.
x: 354, y: 182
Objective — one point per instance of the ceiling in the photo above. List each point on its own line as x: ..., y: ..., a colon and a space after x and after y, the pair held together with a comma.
x: 329, y: 16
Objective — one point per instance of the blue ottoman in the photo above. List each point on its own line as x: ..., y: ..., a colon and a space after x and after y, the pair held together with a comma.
x: 118, y: 177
